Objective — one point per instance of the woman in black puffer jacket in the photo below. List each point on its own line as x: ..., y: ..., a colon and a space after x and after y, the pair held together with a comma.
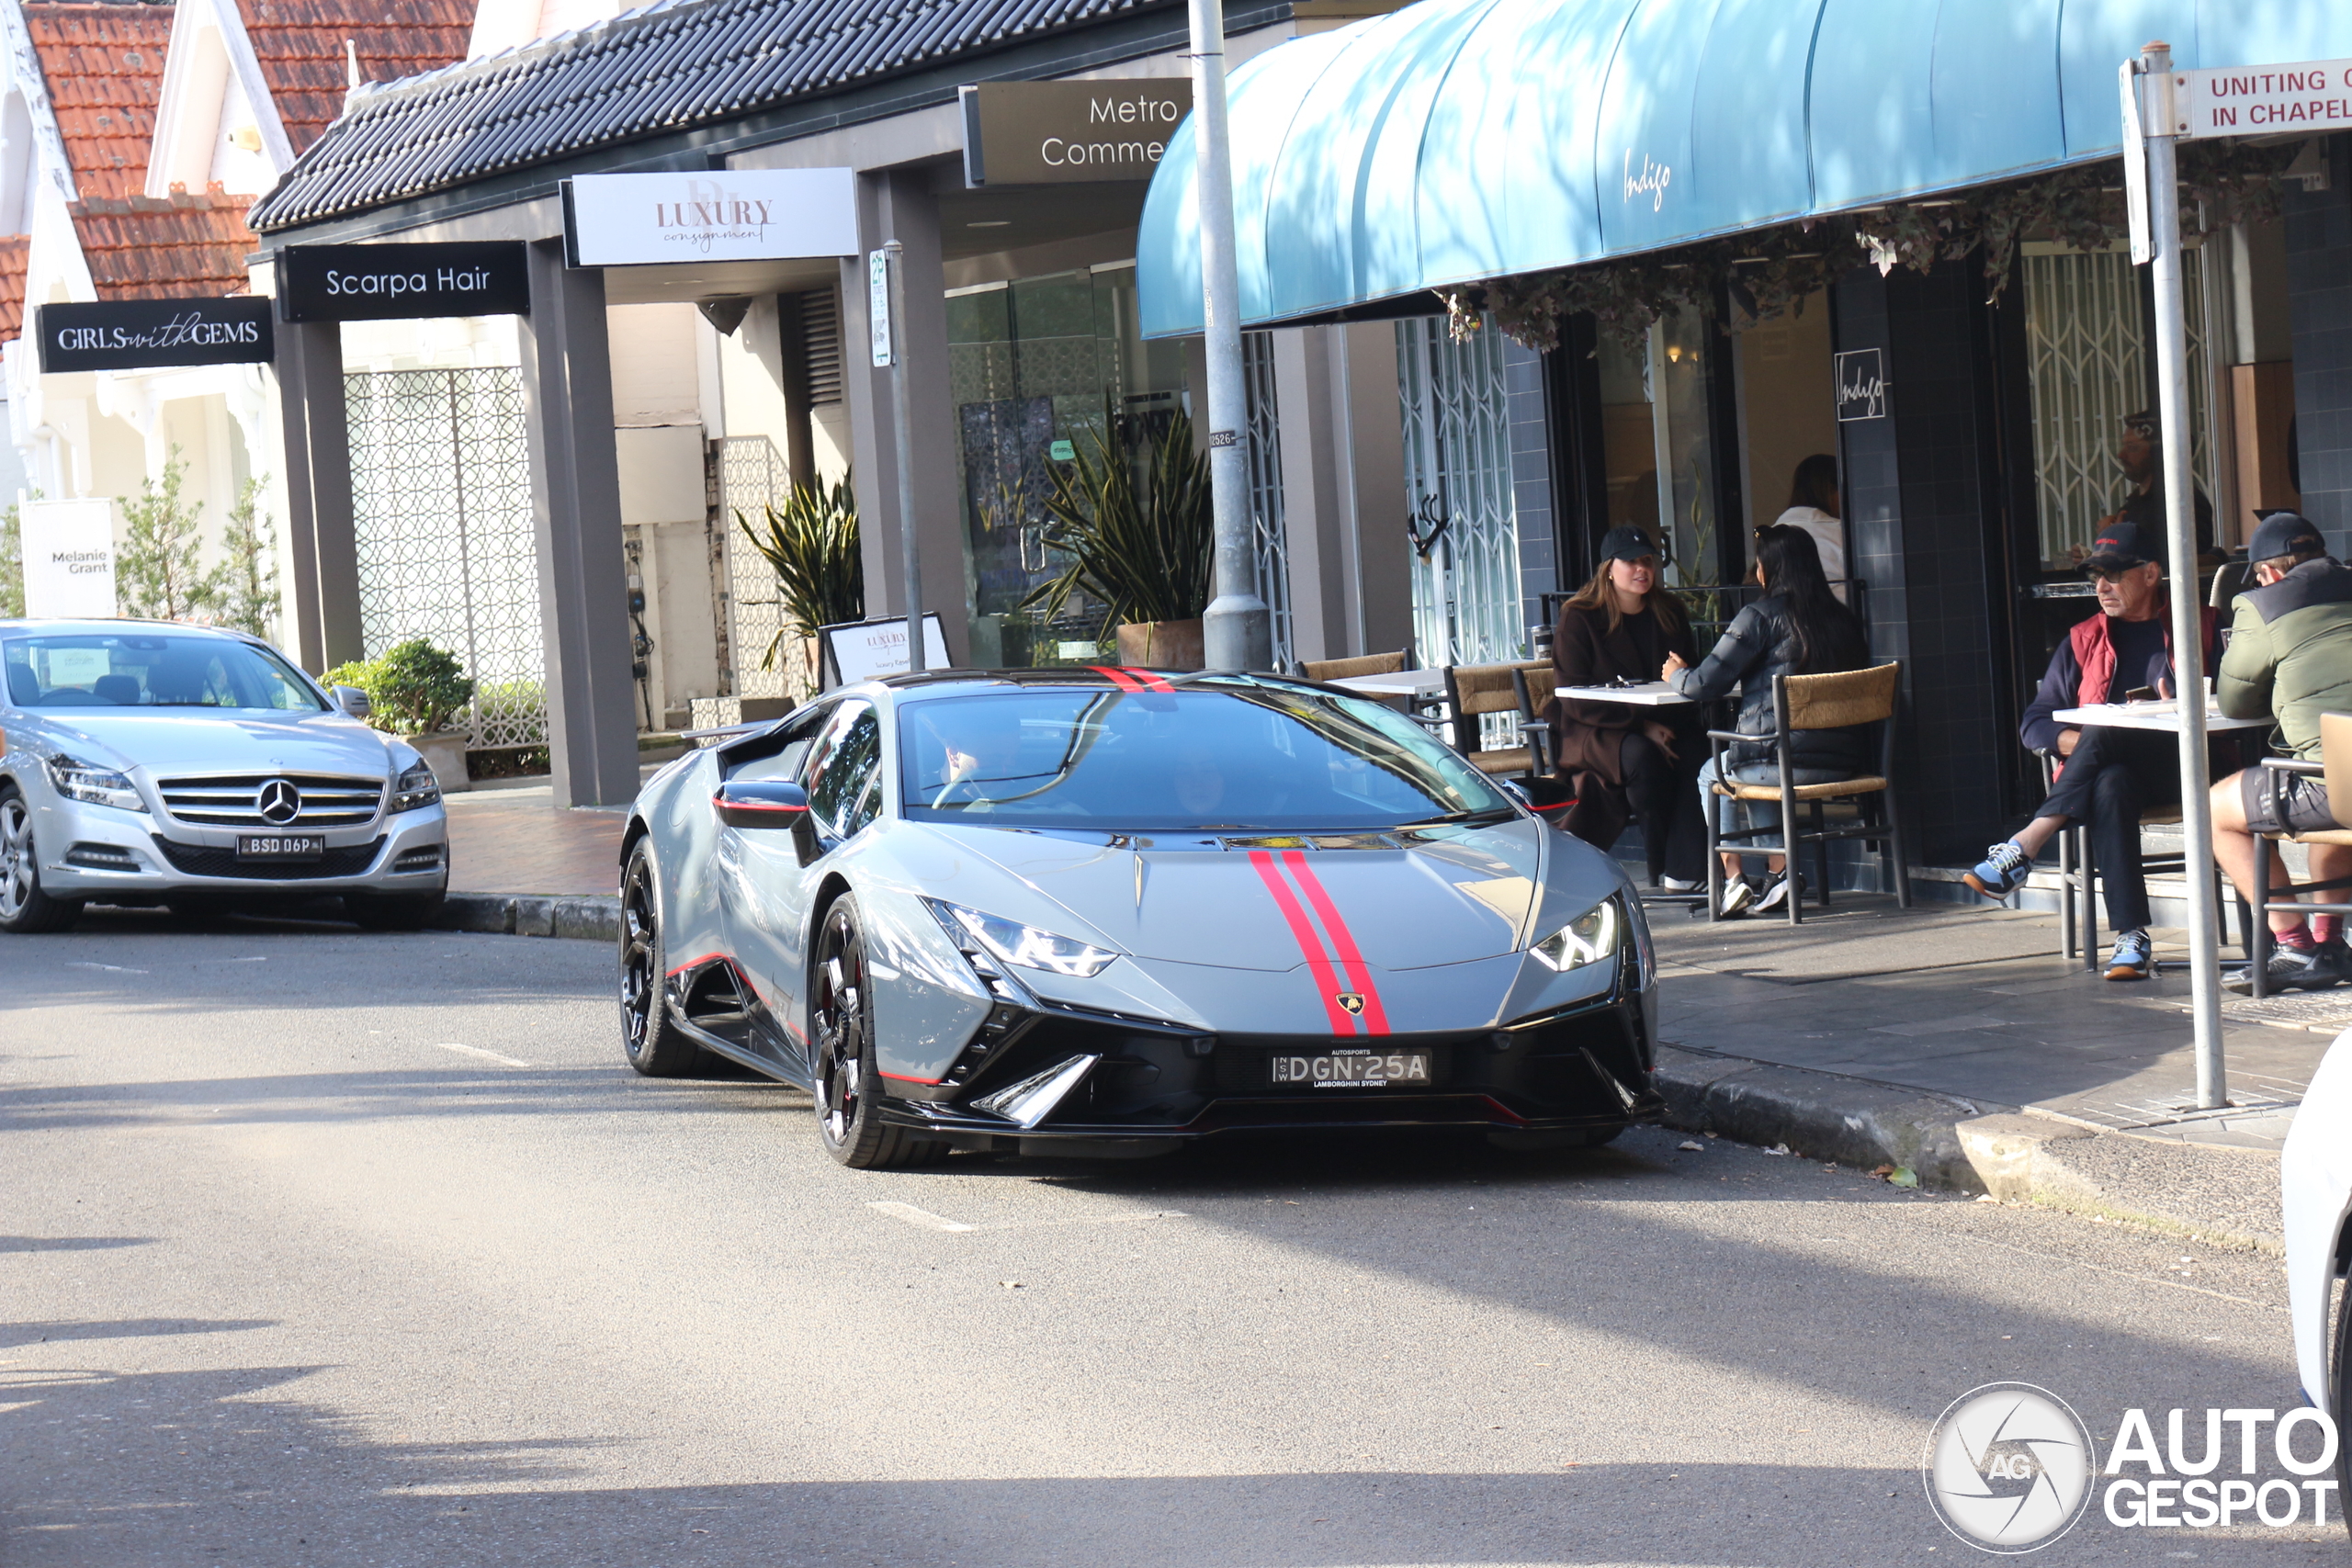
x: 1797, y: 628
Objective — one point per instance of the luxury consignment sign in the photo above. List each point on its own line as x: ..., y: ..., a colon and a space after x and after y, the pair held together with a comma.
x: 1031, y: 133
x: 713, y: 215
x: 130, y: 334
x: 377, y: 283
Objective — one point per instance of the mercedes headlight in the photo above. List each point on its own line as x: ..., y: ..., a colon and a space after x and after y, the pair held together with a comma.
x: 1593, y: 936
x: 77, y: 780
x: 1008, y: 942
x: 414, y: 788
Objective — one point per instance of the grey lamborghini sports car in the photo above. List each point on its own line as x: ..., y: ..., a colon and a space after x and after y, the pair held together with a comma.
x: 1107, y: 910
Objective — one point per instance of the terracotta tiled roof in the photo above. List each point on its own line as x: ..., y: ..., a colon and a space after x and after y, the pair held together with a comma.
x: 12, y: 284
x: 179, y: 247
x: 300, y: 45
x: 104, y: 64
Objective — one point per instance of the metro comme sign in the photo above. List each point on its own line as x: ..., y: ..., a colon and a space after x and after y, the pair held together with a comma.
x: 1028, y: 133
x: 717, y: 215
x: 130, y: 334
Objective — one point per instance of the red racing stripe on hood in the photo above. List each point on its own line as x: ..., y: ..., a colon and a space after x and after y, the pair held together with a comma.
x: 1344, y: 941
x: 1310, y: 947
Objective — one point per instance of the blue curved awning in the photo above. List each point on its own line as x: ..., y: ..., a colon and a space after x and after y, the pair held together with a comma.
x: 1460, y: 139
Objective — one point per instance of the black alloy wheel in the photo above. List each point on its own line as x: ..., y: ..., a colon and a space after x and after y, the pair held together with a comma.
x: 654, y: 1045
x: 841, y: 1017
x: 25, y: 909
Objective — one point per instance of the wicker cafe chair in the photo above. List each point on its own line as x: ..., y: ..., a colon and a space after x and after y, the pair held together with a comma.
x: 1367, y: 664
x: 1472, y: 690
x: 2078, y: 878
x: 2334, y: 767
x: 1817, y: 702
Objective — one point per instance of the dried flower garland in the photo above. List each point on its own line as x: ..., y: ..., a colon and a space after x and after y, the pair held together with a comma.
x: 1770, y: 272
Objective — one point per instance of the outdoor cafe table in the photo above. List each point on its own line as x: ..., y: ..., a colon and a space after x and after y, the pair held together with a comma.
x: 2163, y: 717
x: 1648, y: 695
x: 1394, y: 684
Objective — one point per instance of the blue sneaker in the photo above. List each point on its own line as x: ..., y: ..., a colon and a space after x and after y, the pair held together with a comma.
x: 2134, y: 957
x: 2002, y: 871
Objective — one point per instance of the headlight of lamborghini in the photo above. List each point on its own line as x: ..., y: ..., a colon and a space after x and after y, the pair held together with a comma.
x: 77, y: 780
x: 1593, y: 936
x: 414, y: 788
x: 1008, y: 942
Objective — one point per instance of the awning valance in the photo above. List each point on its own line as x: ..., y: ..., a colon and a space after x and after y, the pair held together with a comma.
x: 1460, y: 140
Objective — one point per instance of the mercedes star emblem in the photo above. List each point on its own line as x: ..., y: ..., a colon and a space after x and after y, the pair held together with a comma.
x: 280, y: 802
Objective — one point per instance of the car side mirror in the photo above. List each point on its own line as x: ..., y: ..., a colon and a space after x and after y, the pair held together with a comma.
x: 353, y: 701
x: 768, y: 805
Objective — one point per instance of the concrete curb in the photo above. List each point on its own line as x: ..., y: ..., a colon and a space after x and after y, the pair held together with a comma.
x: 2226, y: 1195
x: 586, y: 916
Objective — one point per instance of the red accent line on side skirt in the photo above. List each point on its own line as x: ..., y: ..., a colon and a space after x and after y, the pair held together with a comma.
x: 1310, y: 947
x: 692, y: 964
x: 908, y: 1078
x: 1117, y: 677
x: 1344, y: 941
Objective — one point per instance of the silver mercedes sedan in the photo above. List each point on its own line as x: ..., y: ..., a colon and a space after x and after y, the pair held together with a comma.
x: 146, y: 762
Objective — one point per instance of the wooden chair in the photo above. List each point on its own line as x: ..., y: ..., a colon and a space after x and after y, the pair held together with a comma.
x: 1817, y: 702
x: 1474, y: 690
x: 2334, y: 767
x: 1368, y: 664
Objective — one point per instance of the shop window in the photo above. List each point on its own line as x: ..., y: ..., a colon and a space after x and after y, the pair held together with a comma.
x: 1657, y: 441
x: 1037, y: 367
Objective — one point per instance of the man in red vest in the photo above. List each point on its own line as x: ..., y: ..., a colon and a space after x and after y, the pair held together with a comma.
x: 2107, y: 777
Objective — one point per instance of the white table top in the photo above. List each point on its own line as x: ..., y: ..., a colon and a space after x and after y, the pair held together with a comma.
x: 2162, y: 716
x: 1396, y: 684
x: 1650, y: 695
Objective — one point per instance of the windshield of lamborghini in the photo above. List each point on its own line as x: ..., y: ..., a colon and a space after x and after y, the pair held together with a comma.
x: 1253, y: 759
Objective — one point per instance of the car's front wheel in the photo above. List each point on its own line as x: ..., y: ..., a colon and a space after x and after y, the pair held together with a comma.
x: 25, y: 909
x: 654, y: 1045
x: 841, y: 1017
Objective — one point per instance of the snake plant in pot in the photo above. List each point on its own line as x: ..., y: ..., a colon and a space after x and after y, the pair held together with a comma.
x: 811, y: 542
x: 1140, y: 549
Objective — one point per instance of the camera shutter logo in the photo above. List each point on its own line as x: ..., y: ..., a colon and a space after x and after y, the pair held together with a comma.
x: 280, y: 802
x: 2008, y: 1468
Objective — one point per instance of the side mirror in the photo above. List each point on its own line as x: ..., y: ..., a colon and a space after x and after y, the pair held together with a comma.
x: 353, y: 701
x: 768, y: 803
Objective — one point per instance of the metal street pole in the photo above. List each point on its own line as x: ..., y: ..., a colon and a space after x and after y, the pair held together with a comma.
x: 2161, y: 130
x: 893, y: 256
x: 1237, y: 632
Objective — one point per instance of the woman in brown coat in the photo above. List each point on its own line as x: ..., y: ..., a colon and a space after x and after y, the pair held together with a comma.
x: 1625, y: 761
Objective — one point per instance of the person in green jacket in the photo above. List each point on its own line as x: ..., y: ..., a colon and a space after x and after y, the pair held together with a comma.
x: 2289, y: 655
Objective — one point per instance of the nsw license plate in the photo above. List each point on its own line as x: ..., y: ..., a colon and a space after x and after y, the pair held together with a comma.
x: 281, y: 846
x: 1351, y: 1070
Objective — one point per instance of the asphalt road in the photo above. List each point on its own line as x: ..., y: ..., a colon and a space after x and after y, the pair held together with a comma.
x: 331, y: 1249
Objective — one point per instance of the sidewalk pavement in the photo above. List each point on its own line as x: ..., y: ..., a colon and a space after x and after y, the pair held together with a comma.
x: 1948, y: 1044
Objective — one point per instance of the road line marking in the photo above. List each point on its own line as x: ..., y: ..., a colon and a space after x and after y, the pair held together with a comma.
x: 922, y: 1217
x: 478, y: 1051
x: 2122, y: 1273
x: 109, y: 968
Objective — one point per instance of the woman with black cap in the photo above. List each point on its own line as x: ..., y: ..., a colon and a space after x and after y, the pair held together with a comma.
x: 1625, y: 761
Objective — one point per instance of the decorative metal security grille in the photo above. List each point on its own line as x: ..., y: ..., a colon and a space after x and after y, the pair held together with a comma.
x: 1265, y: 454
x: 2089, y: 361
x: 1458, y: 489
x: 441, y: 516
x: 752, y: 473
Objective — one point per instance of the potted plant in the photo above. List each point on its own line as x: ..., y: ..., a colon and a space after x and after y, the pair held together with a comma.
x: 414, y: 691
x: 811, y: 541
x: 1143, y: 554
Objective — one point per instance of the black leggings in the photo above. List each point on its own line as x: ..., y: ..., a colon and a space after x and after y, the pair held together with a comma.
x: 1664, y: 794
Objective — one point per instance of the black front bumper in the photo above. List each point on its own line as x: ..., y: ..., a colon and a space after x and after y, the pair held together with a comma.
x: 1588, y: 1067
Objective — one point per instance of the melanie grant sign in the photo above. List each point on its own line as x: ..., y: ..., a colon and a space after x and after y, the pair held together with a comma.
x: 716, y: 215
x: 376, y: 283
x: 127, y: 334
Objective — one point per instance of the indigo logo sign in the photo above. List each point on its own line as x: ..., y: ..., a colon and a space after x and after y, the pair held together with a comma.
x: 1861, y: 384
